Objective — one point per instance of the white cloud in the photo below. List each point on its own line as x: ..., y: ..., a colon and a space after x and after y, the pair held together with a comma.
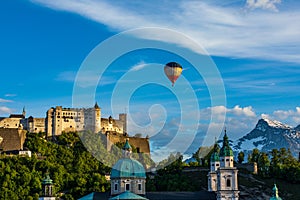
x: 10, y: 95
x: 239, y: 120
x: 288, y: 116
x: 68, y: 76
x: 263, y: 4
x: 236, y: 111
x: 138, y: 66
x: 5, y: 110
x: 87, y: 78
x: 5, y: 100
x: 247, y: 111
x: 222, y: 30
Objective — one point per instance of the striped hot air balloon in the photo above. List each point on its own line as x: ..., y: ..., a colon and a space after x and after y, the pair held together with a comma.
x: 173, y: 71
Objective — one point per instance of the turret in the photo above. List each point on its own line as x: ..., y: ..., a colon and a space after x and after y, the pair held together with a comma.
x: 127, y: 149
x: 47, y: 187
x: 123, y: 119
x: 97, y: 118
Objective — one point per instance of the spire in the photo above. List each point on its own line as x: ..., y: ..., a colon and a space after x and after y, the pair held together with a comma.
x: 127, y: 145
x: 275, y: 195
x: 127, y: 149
x: 226, y: 149
x: 96, y: 105
x: 23, y: 111
x: 275, y: 191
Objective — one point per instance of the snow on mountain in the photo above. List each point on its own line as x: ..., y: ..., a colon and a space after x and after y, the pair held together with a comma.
x: 270, y: 134
x: 276, y: 124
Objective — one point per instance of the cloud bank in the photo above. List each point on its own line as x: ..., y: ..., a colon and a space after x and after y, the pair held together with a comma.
x: 223, y: 30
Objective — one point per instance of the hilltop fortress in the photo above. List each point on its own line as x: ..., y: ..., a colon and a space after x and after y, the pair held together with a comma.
x: 59, y: 120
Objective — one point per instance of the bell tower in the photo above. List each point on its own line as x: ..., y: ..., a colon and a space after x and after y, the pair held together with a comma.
x: 214, y: 166
x: 227, y: 187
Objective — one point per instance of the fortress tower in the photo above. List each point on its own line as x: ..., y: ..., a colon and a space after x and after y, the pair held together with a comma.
x: 97, y: 119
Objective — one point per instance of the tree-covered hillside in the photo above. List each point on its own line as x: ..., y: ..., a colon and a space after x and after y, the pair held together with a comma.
x: 74, y: 170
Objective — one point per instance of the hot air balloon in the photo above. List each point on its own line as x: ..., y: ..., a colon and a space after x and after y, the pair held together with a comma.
x: 173, y: 71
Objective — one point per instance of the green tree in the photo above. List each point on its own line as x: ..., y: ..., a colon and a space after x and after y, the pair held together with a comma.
x: 263, y: 164
x: 241, y: 157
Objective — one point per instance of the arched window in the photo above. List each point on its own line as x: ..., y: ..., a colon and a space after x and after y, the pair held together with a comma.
x: 116, y: 186
x: 228, y: 184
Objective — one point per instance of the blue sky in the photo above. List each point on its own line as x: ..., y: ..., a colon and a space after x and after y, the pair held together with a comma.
x: 255, y: 45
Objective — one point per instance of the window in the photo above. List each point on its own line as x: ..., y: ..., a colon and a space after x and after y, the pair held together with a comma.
x: 228, y: 184
x: 127, y: 186
x: 116, y: 186
x: 227, y: 160
x: 139, y: 186
x: 138, y: 149
x: 217, y: 165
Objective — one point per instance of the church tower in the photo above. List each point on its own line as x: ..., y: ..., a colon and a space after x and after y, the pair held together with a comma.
x: 214, y: 166
x: 227, y: 187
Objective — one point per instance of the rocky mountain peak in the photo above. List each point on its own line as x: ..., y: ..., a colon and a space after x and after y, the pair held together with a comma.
x: 272, y: 123
x: 270, y: 134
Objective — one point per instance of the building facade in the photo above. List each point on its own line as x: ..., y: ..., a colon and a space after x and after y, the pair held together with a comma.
x: 222, y: 177
x: 31, y: 124
x: 60, y: 120
x: 13, y: 121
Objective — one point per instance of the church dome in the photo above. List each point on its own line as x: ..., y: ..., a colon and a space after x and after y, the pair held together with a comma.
x: 215, y: 155
x: 128, y: 168
x: 226, y: 149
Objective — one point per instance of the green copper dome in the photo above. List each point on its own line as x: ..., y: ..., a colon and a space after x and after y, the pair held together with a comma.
x: 226, y: 149
x: 127, y: 146
x: 128, y: 168
x: 47, y: 180
x: 215, y: 155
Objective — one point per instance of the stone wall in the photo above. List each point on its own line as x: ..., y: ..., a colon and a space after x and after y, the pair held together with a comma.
x: 141, y: 144
x: 13, y: 139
